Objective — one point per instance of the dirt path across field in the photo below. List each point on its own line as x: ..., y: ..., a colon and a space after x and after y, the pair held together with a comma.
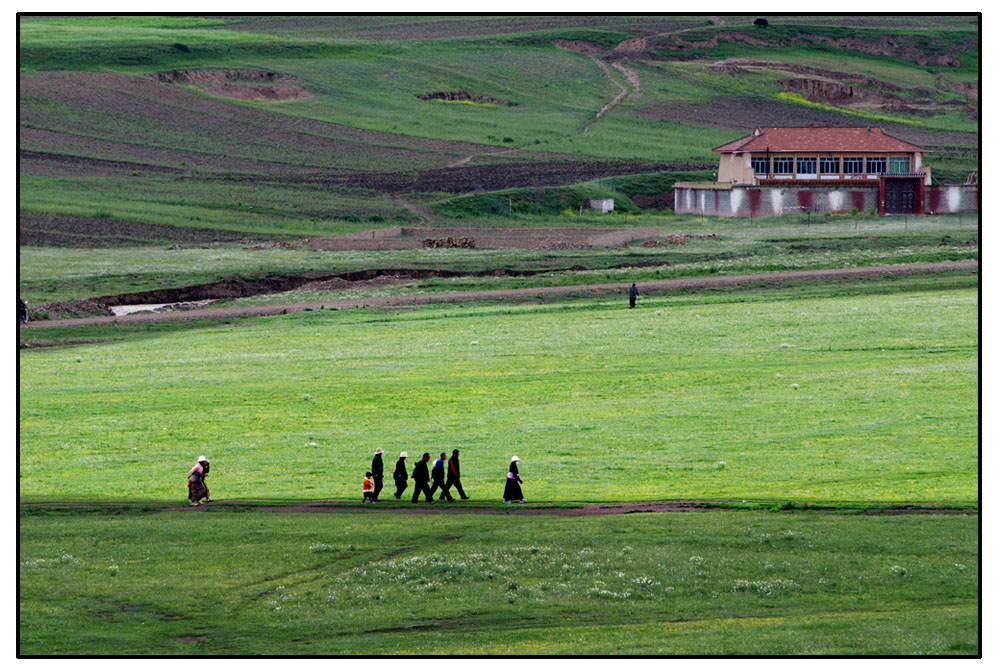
x: 463, y: 161
x: 421, y: 213
x: 716, y: 281
x: 622, y: 94
x: 631, y: 76
x: 542, y: 509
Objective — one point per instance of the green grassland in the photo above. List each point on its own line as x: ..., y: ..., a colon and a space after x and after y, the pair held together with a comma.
x: 855, y: 398
x: 377, y: 583
x: 254, y: 208
x: 766, y: 402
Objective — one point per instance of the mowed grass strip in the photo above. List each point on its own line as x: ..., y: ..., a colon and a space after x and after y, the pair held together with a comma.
x: 859, y: 398
x: 699, y: 582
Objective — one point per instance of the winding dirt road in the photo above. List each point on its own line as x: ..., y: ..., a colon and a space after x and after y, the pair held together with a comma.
x: 588, y: 290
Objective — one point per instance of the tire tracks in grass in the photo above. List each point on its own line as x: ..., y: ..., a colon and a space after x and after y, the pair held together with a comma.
x: 483, y: 623
x: 349, y: 559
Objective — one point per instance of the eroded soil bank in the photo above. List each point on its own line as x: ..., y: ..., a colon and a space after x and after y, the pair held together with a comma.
x: 645, y: 287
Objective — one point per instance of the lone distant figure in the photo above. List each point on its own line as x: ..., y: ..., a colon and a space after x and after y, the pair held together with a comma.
x: 377, y: 473
x: 399, y: 475
x: 454, y: 476
x: 512, y: 492
x: 197, y: 488
x: 22, y: 311
x: 420, y: 478
x: 633, y: 293
x: 437, y: 473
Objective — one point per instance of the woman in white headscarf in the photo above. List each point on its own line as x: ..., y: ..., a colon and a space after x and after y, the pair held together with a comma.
x: 197, y: 488
x: 512, y: 492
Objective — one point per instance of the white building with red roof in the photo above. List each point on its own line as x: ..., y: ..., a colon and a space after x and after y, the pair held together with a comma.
x: 776, y: 171
x: 818, y: 154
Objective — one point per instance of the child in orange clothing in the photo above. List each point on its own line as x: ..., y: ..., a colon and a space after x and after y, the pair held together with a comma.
x: 367, y: 487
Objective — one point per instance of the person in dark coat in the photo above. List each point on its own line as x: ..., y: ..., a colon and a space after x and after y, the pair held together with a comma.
x: 512, y: 492
x: 454, y: 476
x: 377, y: 473
x: 437, y: 473
x: 197, y: 488
x: 399, y: 475
x: 420, y: 478
x: 633, y: 293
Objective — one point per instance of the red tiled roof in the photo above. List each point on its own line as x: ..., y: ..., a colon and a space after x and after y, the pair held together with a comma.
x: 777, y: 140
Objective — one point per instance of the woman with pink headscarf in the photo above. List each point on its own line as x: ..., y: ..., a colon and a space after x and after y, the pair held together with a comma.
x: 197, y: 489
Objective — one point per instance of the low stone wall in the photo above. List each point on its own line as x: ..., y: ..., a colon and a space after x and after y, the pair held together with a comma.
x: 951, y: 199
x: 746, y: 201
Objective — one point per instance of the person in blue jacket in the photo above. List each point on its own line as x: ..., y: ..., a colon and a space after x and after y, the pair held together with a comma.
x: 437, y: 473
x: 633, y: 293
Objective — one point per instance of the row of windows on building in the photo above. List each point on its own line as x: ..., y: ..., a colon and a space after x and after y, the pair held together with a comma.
x: 806, y: 166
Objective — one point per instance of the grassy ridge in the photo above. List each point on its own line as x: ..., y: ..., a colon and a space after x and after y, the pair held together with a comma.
x: 854, y: 398
x: 694, y: 583
x: 102, y: 44
x: 50, y: 274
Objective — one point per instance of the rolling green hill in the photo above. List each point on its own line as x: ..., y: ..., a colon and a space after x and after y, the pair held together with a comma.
x: 292, y: 124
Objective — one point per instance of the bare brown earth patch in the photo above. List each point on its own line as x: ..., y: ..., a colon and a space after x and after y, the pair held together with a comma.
x: 629, y: 49
x: 71, y: 309
x: 580, y: 46
x: 479, y: 238
x: 257, y: 92
x: 218, y: 75
x: 743, y: 114
x: 238, y: 84
x: 738, y: 65
x: 846, y: 95
x: 461, y: 95
x: 903, y: 46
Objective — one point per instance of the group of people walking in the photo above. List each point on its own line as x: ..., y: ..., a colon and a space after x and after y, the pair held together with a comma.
x: 443, y: 475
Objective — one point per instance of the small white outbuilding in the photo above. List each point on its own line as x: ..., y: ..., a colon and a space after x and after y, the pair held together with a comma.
x: 603, y: 205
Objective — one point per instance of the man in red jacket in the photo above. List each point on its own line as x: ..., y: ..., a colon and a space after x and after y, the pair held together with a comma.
x: 454, y: 477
